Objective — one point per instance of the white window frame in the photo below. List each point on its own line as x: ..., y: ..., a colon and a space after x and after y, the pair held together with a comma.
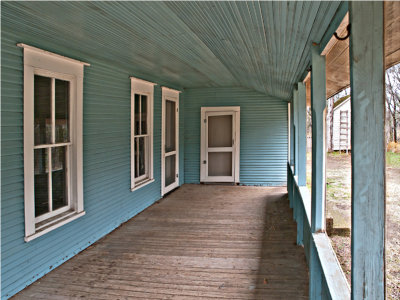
x: 146, y: 88
x: 44, y: 63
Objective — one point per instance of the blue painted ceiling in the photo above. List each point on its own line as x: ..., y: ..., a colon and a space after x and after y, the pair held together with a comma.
x: 262, y: 46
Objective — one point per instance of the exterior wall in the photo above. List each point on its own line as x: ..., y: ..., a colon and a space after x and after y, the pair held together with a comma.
x: 108, y: 200
x: 336, y: 124
x: 263, y: 134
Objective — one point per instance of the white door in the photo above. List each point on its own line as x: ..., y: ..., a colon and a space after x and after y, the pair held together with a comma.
x: 220, y: 144
x: 170, y: 140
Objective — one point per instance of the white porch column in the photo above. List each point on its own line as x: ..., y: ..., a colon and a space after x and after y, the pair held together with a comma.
x: 367, y: 75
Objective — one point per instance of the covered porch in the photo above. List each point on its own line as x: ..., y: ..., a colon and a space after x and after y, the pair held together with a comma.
x: 109, y: 106
x: 201, y: 241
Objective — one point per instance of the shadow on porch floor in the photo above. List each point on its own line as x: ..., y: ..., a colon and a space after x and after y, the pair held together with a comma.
x: 201, y: 241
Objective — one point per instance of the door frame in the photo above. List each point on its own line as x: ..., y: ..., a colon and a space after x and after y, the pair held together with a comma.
x: 235, y: 110
x: 170, y: 95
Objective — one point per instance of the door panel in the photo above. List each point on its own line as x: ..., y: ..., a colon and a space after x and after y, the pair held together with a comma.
x: 220, y: 164
x: 220, y: 131
x: 170, y: 134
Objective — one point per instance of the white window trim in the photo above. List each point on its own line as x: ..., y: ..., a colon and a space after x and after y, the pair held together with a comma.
x: 143, y: 87
x: 38, y: 61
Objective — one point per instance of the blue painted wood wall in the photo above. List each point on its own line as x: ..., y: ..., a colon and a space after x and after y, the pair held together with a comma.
x: 263, y: 133
x: 106, y: 149
x: 108, y: 200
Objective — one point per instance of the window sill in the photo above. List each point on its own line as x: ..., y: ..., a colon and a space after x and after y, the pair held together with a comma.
x: 142, y: 184
x: 60, y: 221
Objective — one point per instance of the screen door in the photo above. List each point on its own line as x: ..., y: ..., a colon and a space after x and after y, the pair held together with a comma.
x: 170, y: 141
x: 219, y: 157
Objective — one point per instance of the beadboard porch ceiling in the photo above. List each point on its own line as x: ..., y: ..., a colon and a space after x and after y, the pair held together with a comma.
x: 263, y: 46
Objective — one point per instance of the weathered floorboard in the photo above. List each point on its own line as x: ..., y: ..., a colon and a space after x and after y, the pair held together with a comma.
x: 201, y: 241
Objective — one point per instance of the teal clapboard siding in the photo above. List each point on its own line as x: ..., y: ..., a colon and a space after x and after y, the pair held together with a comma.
x: 108, y: 200
x: 263, y: 133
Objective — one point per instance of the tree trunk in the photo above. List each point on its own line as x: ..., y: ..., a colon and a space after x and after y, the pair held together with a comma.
x: 394, y: 128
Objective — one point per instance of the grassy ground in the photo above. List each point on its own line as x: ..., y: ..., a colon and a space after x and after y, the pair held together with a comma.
x: 338, y: 203
x: 393, y: 160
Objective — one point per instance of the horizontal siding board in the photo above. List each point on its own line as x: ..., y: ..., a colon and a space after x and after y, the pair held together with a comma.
x: 263, y: 133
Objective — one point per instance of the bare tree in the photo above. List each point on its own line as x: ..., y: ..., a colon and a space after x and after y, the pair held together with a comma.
x: 393, y: 97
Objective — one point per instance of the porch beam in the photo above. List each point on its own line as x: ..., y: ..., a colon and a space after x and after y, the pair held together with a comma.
x: 302, y: 134
x: 318, y: 105
x: 367, y: 75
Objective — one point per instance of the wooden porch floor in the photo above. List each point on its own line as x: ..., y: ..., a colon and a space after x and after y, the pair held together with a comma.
x: 201, y: 241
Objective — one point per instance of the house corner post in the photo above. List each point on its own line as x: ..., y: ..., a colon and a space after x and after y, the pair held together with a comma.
x: 318, y: 104
x: 367, y: 73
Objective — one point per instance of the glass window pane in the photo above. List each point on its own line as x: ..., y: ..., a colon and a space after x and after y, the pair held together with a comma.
x: 170, y: 108
x: 140, y: 145
x: 220, y: 131
x: 144, y: 115
x: 170, y: 173
x: 62, y: 110
x: 42, y: 110
x: 59, y: 177
x: 220, y: 164
x: 41, y: 181
x: 142, y: 156
x: 136, y: 145
x: 137, y: 114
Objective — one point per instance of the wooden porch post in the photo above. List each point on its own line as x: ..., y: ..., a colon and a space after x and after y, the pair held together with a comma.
x: 367, y: 75
x: 302, y: 153
x: 296, y: 132
x: 291, y: 146
x: 318, y: 104
x: 302, y: 134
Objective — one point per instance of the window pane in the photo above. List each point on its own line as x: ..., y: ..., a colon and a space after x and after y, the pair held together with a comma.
x: 62, y: 110
x: 144, y: 114
x: 170, y: 126
x: 137, y: 114
x: 42, y: 109
x: 142, y: 156
x: 59, y: 177
x: 170, y: 172
x: 136, y: 145
x: 41, y: 181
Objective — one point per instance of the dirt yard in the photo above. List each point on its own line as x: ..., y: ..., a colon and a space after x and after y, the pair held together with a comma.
x: 338, y: 193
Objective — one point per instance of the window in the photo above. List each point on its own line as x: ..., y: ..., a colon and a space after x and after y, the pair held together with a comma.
x: 53, y: 87
x: 141, y: 132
